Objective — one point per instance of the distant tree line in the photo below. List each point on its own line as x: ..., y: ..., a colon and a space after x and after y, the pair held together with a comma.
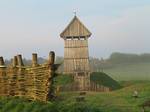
x: 98, y: 64
x: 121, y: 58
x: 117, y: 59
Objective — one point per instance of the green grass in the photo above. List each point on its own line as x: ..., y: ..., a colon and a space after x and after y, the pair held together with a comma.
x: 115, y: 101
x: 103, y: 79
x: 14, y: 104
x: 23, y: 105
x: 63, y: 79
x: 139, y: 71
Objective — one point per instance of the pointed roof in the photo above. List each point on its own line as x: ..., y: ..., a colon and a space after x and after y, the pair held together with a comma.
x: 75, y: 29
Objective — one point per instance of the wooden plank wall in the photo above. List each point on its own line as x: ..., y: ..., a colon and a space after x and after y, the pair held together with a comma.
x: 93, y: 87
x: 76, y: 61
x: 76, y: 56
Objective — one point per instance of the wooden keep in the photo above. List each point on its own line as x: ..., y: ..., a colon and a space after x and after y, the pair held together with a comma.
x: 76, y: 55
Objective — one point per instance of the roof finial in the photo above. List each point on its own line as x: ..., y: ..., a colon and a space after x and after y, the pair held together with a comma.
x: 74, y: 13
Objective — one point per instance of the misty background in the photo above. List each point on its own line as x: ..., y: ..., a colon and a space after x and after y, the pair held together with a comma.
x: 28, y: 26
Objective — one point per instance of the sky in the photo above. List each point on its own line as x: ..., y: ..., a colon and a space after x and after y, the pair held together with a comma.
x: 29, y: 26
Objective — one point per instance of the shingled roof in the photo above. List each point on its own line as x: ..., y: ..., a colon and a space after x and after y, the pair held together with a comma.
x: 75, y: 29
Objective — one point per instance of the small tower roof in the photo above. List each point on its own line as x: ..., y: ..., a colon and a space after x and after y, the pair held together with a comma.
x: 75, y: 29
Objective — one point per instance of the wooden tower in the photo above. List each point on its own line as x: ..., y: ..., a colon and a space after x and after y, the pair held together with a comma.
x: 76, y: 56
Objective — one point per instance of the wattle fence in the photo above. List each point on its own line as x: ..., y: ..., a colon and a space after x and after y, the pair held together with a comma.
x: 31, y: 82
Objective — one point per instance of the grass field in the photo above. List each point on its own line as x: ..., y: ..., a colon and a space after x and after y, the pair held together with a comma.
x: 131, y: 77
x: 139, y: 71
x: 116, y: 101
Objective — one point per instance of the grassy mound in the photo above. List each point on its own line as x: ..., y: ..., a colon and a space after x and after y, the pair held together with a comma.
x: 103, y: 79
x: 97, y: 77
x: 63, y: 79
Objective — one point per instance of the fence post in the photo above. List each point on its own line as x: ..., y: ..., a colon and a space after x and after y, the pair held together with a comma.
x: 34, y: 60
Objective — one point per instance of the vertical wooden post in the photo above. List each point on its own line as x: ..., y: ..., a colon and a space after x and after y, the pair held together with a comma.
x: 34, y: 60
x: 3, y: 78
x: 51, y: 59
x: 13, y: 75
x: 15, y: 61
x: 50, y: 87
x: 20, y: 61
x: 2, y: 61
x: 21, y: 77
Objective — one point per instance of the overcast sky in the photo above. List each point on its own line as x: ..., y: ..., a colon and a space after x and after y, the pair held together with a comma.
x: 28, y: 26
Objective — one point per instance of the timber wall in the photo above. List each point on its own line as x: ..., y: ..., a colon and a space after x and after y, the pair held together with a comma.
x: 76, y: 57
x: 94, y: 87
